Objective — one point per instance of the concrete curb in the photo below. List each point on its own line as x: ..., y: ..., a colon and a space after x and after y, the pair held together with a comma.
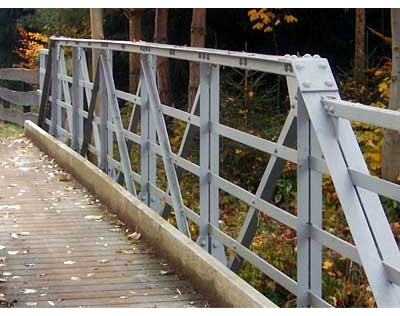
x: 206, y: 273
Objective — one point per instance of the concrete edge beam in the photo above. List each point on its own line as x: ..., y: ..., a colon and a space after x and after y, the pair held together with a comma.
x: 206, y: 273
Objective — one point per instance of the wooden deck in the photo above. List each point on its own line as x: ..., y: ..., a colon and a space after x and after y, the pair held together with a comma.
x: 59, y: 247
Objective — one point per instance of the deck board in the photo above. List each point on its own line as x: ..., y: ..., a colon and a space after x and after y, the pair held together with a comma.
x: 61, y: 247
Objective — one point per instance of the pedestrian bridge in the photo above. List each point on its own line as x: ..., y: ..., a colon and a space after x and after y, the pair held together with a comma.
x: 84, y: 215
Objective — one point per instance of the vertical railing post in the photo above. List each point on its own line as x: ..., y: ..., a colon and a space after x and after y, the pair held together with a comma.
x: 209, y: 159
x: 55, y: 87
x: 59, y: 108
x: 148, y: 165
x: 76, y: 58
x: 103, y: 114
x: 42, y: 69
x: 309, y: 210
x: 204, y: 238
x: 145, y: 142
x: 110, y: 132
x: 152, y: 178
x: 82, y: 73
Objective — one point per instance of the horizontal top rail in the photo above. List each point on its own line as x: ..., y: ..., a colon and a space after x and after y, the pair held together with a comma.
x: 362, y: 113
x: 280, y: 65
x: 20, y: 74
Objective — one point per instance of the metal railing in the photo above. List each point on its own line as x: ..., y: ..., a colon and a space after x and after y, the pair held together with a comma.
x: 318, y: 122
x: 23, y: 99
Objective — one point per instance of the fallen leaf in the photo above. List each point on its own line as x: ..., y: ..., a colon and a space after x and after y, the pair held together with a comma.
x: 28, y: 291
x: 95, y: 217
x: 166, y: 272
x: 69, y: 262
x: 9, y: 207
x: 134, y: 236
x: 65, y: 177
x: 128, y: 252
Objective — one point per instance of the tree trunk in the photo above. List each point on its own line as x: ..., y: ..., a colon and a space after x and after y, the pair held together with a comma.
x: 391, y: 145
x: 359, y: 55
x: 135, y: 34
x: 163, y: 75
x: 96, y: 27
x: 198, y: 36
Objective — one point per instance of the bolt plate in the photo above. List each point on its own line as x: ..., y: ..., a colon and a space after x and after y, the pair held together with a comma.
x: 313, y: 74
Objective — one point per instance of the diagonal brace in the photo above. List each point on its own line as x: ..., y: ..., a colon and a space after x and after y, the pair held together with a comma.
x: 119, y: 131
x: 158, y: 119
x: 87, y: 135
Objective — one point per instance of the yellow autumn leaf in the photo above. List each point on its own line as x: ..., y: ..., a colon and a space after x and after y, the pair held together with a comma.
x: 290, y: 18
x: 268, y: 29
x: 253, y: 15
x: 327, y: 264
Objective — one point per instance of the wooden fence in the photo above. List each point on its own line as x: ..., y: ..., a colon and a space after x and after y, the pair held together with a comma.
x: 15, y: 113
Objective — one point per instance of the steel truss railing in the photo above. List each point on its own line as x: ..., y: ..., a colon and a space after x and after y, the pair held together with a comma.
x: 318, y: 122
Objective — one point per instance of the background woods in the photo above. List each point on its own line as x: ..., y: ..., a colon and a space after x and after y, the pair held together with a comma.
x: 362, y: 46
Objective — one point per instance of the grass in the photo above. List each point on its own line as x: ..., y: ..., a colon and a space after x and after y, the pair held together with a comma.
x: 10, y: 130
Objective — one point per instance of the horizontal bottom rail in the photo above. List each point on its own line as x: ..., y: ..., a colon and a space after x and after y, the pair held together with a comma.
x: 267, y: 268
x: 17, y: 117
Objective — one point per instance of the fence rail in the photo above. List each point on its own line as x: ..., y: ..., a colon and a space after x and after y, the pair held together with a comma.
x: 20, y: 74
x: 318, y: 122
x: 24, y: 98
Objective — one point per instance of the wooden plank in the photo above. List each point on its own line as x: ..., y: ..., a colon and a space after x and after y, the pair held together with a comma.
x: 67, y: 258
x: 20, y: 97
x: 126, y: 299
x: 17, y: 117
x: 20, y: 74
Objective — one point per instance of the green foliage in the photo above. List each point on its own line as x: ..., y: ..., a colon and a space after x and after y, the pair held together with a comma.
x: 251, y: 102
x: 59, y: 22
x: 10, y: 130
x: 9, y: 35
